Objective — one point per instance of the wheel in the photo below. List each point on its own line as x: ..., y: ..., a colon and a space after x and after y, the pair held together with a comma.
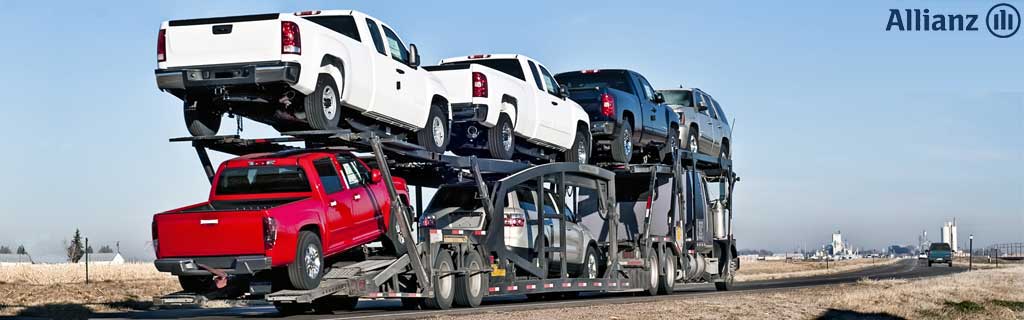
x: 622, y: 144
x: 651, y: 288
x: 201, y: 118
x: 328, y: 304
x: 305, y: 272
x: 434, y: 136
x: 671, y: 144
x: 730, y: 274
x: 692, y: 144
x: 444, y: 283
x: 197, y: 284
x: 323, y: 106
x: 590, y: 268
x: 580, y: 150
x: 666, y: 282
x: 469, y: 289
x: 951, y: 264
x: 501, y: 139
x: 725, y: 151
x: 929, y: 264
x: 289, y: 309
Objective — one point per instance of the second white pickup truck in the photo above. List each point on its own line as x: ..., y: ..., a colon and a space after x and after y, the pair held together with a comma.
x: 307, y: 70
x: 506, y: 105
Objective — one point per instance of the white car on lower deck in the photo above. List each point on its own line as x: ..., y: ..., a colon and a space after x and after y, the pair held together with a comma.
x: 506, y: 105
x: 307, y: 70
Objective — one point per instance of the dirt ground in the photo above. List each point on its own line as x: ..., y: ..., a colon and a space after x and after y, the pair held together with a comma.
x: 985, y: 294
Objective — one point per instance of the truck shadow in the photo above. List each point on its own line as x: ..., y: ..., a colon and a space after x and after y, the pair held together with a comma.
x: 836, y: 314
x: 74, y: 310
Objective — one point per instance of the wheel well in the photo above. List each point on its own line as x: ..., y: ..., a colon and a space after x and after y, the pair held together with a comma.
x: 438, y: 99
x: 580, y: 125
x: 312, y: 228
x: 694, y: 128
x: 515, y: 105
x: 628, y: 116
x: 725, y: 142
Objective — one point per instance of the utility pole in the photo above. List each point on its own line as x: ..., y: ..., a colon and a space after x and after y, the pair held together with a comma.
x: 86, y: 260
x: 970, y: 263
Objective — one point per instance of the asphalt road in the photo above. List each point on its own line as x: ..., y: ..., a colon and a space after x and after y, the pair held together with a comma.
x: 390, y: 309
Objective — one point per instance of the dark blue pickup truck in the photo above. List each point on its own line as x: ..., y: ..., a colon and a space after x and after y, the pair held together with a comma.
x: 627, y: 117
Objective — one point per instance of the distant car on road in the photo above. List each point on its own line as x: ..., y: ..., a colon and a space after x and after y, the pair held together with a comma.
x: 705, y: 128
x: 940, y: 253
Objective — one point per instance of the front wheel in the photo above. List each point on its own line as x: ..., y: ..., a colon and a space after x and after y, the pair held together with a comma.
x: 580, y: 150
x: 434, y: 136
x: 692, y: 144
x: 725, y: 284
x: 201, y: 118
x: 323, y: 106
x: 590, y: 269
x: 305, y: 272
x: 501, y: 139
x: 622, y: 144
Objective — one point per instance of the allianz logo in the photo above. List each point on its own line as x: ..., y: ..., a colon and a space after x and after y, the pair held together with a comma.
x: 1002, y: 20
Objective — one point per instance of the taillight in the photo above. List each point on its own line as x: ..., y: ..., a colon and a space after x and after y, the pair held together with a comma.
x: 607, y: 105
x: 479, y: 85
x: 291, y: 41
x: 308, y: 13
x: 156, y: 236
x: 478, y: 56
x: 427, y: 221
x: 269, y: 232
x: 161, y: 46
x: 515, y: 220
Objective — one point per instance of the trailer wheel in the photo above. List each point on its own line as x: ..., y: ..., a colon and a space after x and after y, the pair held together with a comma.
x: 305, y: 272
x: 323, y: 106
x: 289, y: 309
x: 443, y: 283
x: 666, y: 282
x: 651, y: 287
x: 470, y: 288
x: 622, y: 144
x: 201, y: 118
x: 435, y: 135
x: 501, y: 139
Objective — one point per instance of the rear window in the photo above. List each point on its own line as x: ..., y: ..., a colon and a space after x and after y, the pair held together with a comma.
x: 609, y: 79
x: 678, y: 97
x: 462, y: 197
x: 265, y: 179
x: 942, y: 246
x: 508, y: 66
x: 345, y: 25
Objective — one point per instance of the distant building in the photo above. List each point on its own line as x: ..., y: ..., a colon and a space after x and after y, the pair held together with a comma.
x: 15, y: 259
x: 949, y: 234
x: 104, y: 259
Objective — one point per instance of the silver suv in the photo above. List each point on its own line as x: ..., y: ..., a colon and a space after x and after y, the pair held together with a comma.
x: 704, y: 128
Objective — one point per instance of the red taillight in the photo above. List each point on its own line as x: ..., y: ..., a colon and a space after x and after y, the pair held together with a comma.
x: 156, y: 236
x: 161, y: 46
x: 291, y: 41
x: 607, y: 105
x: 269, y: 232
x: 479, y: 85
x: 478, y: 56
x: 515, y: 220
x: 427, y: 221
x: 589, y: 71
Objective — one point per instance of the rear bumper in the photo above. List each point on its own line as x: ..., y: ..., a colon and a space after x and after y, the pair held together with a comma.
x: 228, y: 75
x: 229, y: 264
x: 468, y: 112
x: 602, y: 128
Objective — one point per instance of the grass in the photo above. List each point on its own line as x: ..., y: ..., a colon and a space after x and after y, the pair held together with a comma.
x: 964, y: 306
x: 769, y: 270
x: 1017, y: 306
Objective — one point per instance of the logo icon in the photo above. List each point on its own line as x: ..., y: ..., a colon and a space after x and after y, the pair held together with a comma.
x: 1003, y: 20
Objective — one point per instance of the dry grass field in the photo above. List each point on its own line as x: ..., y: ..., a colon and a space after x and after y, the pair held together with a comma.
x: 985, y: 294
x: 768, y: 270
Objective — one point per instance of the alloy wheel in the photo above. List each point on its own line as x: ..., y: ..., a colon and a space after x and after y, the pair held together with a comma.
x: 437, y: 128
x: 330, y: 102
x: 312, y: 259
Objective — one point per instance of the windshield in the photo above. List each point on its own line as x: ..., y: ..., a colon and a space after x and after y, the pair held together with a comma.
x: 508, y: 66
x: 462, y: 197
x: 678, y: 97
x: 265, y: 179
x: 939, y: 247
x: 608, y: 79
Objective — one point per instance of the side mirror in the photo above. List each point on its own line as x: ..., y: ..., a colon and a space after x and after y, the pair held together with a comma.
x: 563, y: 91
x: 702, y: 106
x: 658, y: 98
x: 375, y: 176
x: 414, y: 56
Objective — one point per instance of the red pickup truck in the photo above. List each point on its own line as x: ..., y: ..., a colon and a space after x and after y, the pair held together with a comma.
x: 285, y: 211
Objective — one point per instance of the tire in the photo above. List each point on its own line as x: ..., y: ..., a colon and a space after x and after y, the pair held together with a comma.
x: 328, y: 304
x: 651, y: 287
x: 290, y: 309
x: 196, y: 284
x: 622, y: 144
x: 591, y: 268
x: 201, y: 118
x: 725, y: 153
x: 951, y: 264
x: 501, y: 139
x: 726, y: 284
x: 444, y: 285
x: 672, y: 143
x: 470, y: 289
x: 436, y: 134
x: 929, y: 264
x: 666, y: 281
x: 305, y: 272
x: 693, y: 141
x: 323, y: 106
x: 580, y: 150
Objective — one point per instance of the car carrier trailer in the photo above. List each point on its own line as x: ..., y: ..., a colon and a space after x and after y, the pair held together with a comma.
x: 438, y: 268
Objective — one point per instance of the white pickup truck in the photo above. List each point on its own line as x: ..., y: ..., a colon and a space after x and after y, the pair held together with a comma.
x: 307, y: 70
x: 506, y: 105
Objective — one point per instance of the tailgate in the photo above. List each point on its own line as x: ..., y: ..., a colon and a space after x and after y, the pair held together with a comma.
x: 212, y: 233
x: 589, y: 99
x: 457, y: 80
x: 224, y: 40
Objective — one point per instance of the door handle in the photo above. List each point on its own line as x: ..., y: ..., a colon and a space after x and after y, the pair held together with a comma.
x: 554, y: 103
x: 400, y: 71
x: 334, y: 203
x: 357, y: 197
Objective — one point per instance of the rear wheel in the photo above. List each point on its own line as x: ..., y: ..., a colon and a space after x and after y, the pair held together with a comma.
x: 501, y: 138
x: 622, y: 144
x: 306, y: 270
x: 666, y: 281
x: 580, y: 150
x: 201, y: 118
x: 435, y: 135
x: 692, y: 144
x: 470, y: 287
x: 671, y: 144
x: 651, y: 287
x: 444, y: 283
x: 323, y: 106
x: 725, y: 151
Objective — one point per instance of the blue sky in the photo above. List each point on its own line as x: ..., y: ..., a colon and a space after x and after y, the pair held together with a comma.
x: 839, y: 124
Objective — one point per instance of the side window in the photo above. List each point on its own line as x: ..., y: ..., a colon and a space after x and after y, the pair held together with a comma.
x: 328, y: 175
x: 549, y: 81
x: 345, y: 25
x: 378, y: 41
x: 398, y: 50
x: 525, y: 198
x: 355, y: 173
x: 718, y: 109
x: 646, y: 88
x: 536, y: 76
x: 697, y: 98
x: 711, y: 106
